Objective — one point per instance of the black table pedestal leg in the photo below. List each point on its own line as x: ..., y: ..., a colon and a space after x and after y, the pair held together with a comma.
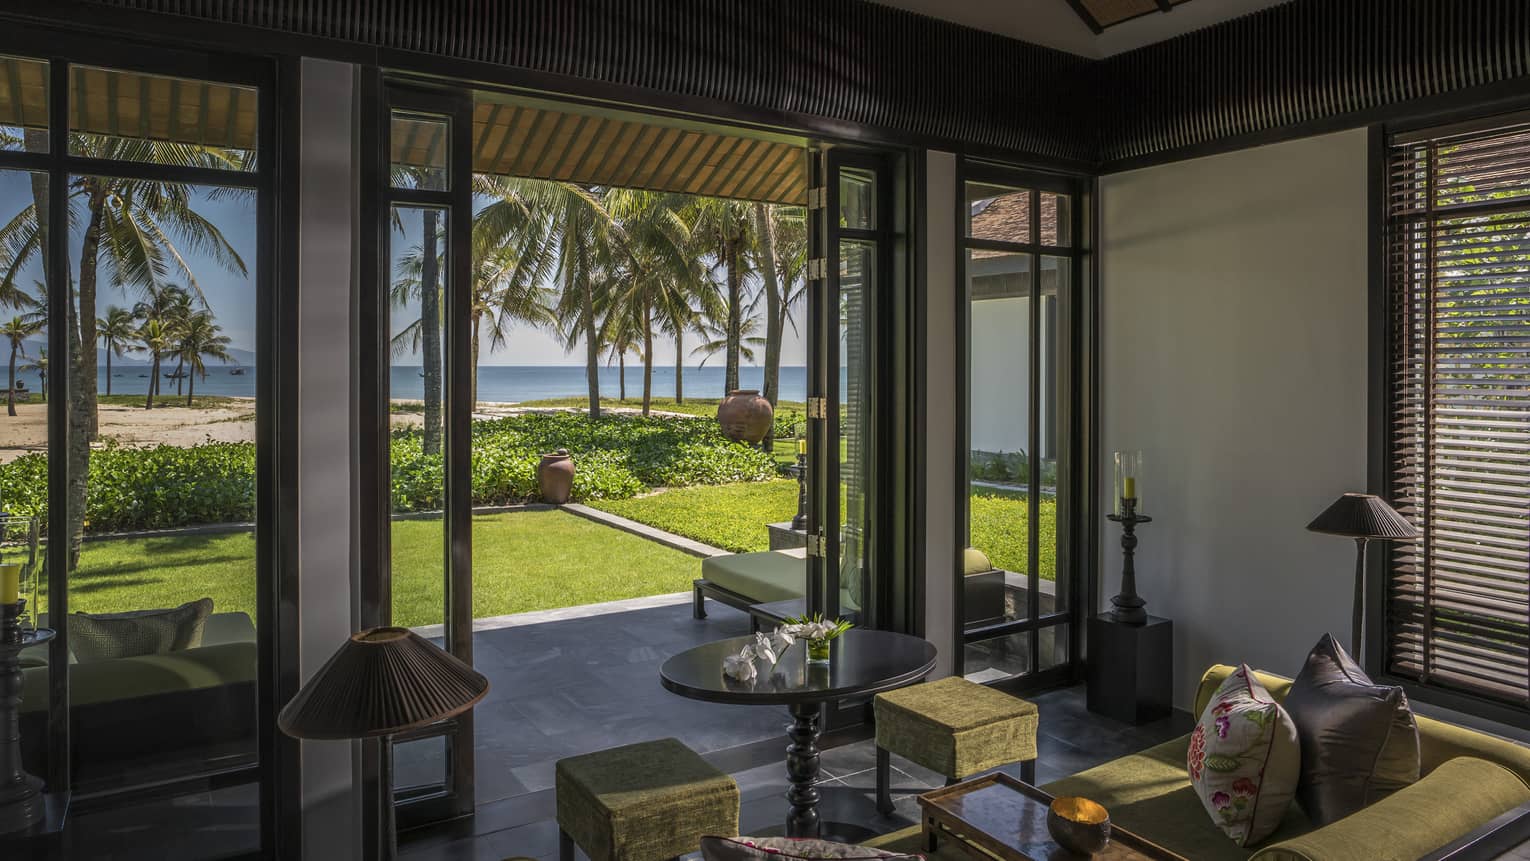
x: 802, y: 770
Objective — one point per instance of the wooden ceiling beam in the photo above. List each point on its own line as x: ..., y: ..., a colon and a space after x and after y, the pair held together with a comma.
x: 1088, y: 17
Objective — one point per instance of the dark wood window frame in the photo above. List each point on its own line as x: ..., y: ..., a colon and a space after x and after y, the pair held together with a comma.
x: 1390, y: 227
x: 1077, y: 447
x: 275, y: 181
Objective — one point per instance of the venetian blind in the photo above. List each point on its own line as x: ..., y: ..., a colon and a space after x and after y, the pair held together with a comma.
x: 1458, y: 598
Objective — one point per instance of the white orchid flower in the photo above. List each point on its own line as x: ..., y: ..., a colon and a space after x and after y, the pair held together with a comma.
x: 740, y: 666
x: 764, y: 647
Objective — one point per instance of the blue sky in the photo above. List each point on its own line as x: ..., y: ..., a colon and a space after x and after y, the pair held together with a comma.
x: 232, y: 295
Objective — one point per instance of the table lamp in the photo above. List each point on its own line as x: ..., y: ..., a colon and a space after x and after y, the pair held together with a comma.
x: 382, y: 681
x: 1363, y: 517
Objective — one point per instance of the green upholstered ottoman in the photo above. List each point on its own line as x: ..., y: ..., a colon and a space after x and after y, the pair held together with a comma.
x: 642, y: 802
x: 955, y: 727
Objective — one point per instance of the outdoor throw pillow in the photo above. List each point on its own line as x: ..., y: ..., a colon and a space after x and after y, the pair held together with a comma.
x: 790, y: 849
x: 105, y: 636
x: 1244, y: 759
x: 1359, y: 740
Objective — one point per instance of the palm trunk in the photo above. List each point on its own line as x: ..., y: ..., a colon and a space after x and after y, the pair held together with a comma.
x: 679, y: 366
x: 180, y: 368
x: 191, y: 387
x: 621, y: 376
x: 108, y: 372
x: 766, y: 228
x: 430, y: 334
x: 473, y: 371
x: 148, y: 404
x: 80, y: 322
x: 10, y: 395
x: 647, y: 359
x: 591, y: 345
x: 735, y: 317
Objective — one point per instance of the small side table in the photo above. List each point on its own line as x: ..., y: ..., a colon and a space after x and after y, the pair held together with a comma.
x: 1131, y: 668
x: 784, y: 537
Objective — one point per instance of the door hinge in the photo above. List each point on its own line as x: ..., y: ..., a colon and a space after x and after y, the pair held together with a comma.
x: 817, y: 198
x: 817, y: 545
x: 817, y: 409
x: 817, y: 269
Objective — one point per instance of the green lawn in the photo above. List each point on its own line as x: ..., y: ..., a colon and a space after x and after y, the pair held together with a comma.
x: 522, y: 561
x: 733, y: 517
x: 728, y: 516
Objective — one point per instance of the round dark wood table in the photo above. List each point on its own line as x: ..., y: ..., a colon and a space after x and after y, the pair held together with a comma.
x: 862, y: 662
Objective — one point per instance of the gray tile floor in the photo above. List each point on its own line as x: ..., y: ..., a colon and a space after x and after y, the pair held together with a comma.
x: 1071, y: 739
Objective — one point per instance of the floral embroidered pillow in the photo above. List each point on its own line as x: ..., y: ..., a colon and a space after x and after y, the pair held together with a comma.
x: 1244, y: 759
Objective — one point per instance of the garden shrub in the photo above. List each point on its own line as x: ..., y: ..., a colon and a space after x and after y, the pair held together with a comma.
x: 615, y: 457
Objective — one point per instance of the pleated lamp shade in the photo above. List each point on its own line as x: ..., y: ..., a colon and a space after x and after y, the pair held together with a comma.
x: 382, y: 681
x: 1362, y: 515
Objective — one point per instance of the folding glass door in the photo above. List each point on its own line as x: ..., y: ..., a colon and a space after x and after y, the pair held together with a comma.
x: 852, y: 241
x: 1023, y: 262
x: 417, y: 353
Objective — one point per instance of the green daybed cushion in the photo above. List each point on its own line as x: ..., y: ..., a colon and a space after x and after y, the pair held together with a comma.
x: 766, y: 576
x: 1149, y: 793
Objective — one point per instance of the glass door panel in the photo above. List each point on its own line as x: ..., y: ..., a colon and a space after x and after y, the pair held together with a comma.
x: 1021, y: 275
x: 997, y: 563
x: 857, y: 277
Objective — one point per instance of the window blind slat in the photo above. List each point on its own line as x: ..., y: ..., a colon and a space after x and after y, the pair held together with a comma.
x: 1458, y: 278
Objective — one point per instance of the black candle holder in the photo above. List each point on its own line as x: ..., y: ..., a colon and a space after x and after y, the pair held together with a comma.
x: 1129, y: 605
x: 799, y: 471
x: 21, y: 796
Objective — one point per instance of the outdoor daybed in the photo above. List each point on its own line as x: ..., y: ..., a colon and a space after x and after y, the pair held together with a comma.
x: 742, y: 580
x: 1469, y: 780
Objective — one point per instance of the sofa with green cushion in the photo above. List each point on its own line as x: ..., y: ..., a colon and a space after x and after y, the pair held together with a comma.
x: 1469, y: 780
x: 183, y: 703
x: 742, y: 580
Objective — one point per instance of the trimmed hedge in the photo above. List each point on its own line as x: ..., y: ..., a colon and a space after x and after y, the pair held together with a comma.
x: 615, y: 457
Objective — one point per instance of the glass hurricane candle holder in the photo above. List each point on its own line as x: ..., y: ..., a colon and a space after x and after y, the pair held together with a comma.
x: 1128, y: 479
x: 18, y: 566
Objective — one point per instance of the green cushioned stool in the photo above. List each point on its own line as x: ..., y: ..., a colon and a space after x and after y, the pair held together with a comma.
x: 955, y: 727
x: 642, y: 802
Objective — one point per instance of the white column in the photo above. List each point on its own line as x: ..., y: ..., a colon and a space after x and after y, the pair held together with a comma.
x: 326, y: 429
x: 941, y: 356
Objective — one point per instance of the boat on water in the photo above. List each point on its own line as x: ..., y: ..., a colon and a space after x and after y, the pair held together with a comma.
x: 236, y: 372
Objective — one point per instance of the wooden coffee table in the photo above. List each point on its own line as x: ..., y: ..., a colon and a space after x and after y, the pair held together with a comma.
x: 997, y: 816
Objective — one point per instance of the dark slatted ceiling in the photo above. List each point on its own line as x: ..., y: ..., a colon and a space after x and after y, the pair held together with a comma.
x: 541, y: 142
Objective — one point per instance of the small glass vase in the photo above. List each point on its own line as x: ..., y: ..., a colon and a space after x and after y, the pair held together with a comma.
x: 818, y: 651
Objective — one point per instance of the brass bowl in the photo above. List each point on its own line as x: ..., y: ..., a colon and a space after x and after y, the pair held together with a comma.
x: 1079, y: 825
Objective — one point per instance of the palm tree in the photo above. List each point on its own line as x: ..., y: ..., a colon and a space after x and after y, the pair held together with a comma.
x: 116, y: 331
x: 200, y: 337
x: 156, y: 337
x: 725, y: 229
x: 136, y: 232
x: 39, y: 366
x: 573, y: 220
x: 169, y: 306
x: 781, y: 250
x: 657, y: 269
x: 16, y: 331
x: 508, y: 285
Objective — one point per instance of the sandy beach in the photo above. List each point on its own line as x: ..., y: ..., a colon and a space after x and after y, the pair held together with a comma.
x: 232, y: 420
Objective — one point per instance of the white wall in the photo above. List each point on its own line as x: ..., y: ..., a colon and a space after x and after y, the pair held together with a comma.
x: 999, y: 338
x: 1234, y: 355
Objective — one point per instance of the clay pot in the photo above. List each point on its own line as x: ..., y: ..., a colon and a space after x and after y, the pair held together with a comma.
x: 555, y: 477
x: 745, y: 416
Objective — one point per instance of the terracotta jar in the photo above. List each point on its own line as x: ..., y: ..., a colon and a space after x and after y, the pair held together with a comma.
x: 745, y: 416
x: 555, y: 477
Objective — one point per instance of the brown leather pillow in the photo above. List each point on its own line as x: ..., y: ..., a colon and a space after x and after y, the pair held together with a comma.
x: 1359, y: 740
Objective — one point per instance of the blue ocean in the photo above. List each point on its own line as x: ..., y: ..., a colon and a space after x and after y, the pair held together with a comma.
x: 499, y: 383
